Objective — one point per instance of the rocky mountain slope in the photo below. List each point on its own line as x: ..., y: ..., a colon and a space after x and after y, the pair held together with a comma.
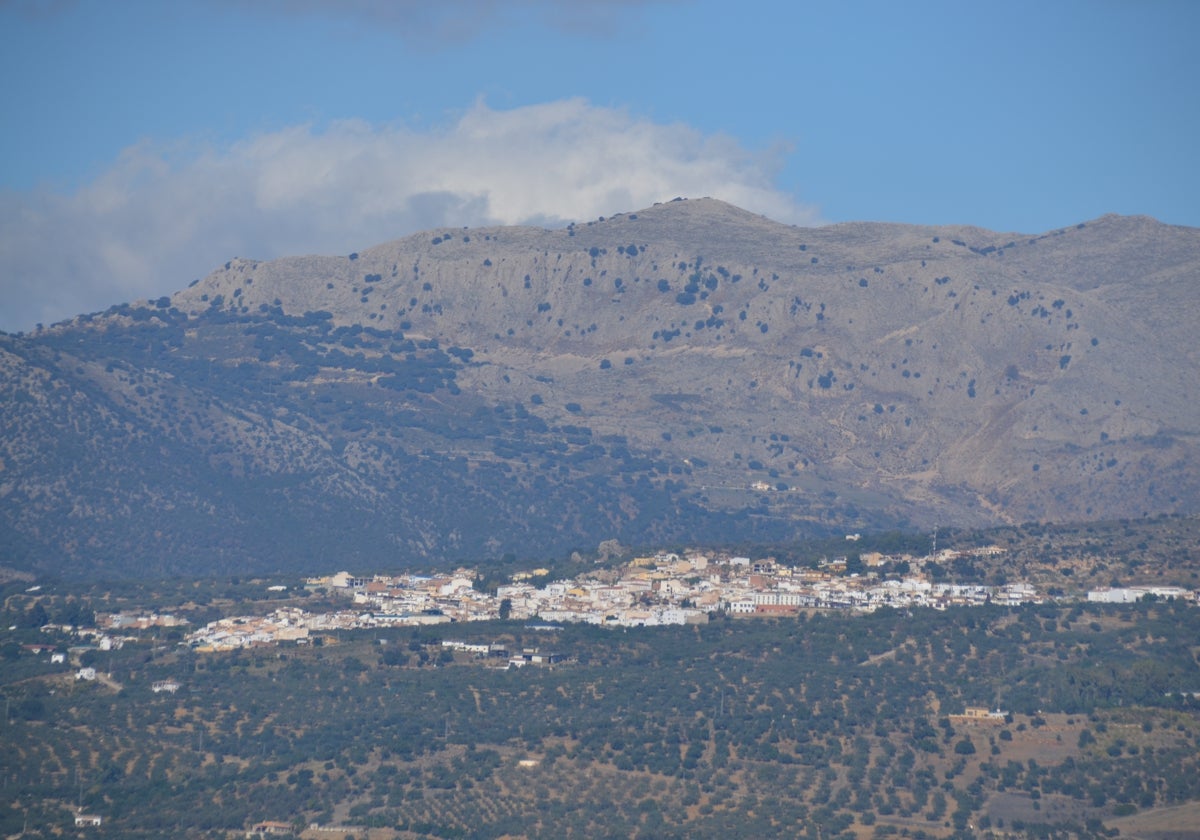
x: 689, y: 371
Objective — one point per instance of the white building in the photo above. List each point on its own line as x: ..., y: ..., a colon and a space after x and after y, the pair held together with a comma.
x: 1128, y: 595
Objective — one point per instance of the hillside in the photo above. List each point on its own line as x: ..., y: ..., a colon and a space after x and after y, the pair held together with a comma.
x: 690, y: 371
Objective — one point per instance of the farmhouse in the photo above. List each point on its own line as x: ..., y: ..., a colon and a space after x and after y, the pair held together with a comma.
x: 980, y: 715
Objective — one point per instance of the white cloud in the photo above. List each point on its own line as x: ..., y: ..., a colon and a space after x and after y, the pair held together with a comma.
x: 163, y: 215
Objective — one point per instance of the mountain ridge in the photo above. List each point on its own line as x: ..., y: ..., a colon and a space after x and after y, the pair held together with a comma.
x: 638, y: 376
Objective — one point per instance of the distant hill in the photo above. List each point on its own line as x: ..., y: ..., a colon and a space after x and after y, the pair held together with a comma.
x: 687, y: 372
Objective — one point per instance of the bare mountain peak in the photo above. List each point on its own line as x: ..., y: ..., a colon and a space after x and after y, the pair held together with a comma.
x: 710, y: 208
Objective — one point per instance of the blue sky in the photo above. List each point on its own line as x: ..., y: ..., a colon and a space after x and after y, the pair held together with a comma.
x: 145, y: 143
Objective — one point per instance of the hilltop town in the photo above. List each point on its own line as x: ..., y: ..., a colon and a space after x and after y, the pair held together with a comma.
x: 662, y: 589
